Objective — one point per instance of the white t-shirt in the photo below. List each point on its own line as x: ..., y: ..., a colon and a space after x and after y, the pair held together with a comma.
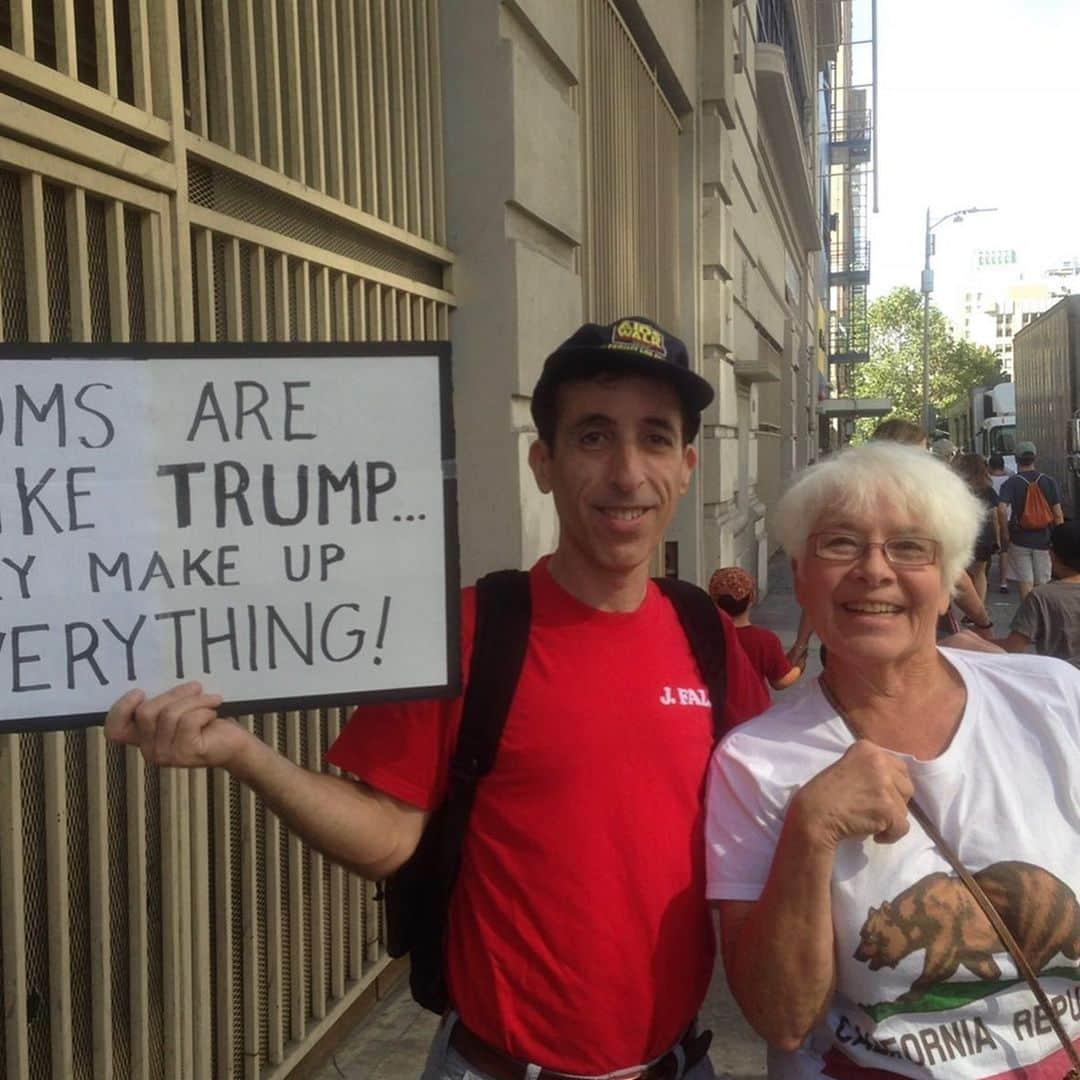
x: 1005, y: 792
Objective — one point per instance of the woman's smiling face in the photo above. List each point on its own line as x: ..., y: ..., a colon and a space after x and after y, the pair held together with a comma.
x: 871, y: 609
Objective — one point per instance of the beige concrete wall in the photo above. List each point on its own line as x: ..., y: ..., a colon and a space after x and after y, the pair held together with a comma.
x: 514, y: 220
x: 673, y: 24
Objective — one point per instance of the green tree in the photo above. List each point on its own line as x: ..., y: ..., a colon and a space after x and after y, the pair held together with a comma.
x: 894, y: 369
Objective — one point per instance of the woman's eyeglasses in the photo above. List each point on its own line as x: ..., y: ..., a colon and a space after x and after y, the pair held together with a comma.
x: 899, y: 550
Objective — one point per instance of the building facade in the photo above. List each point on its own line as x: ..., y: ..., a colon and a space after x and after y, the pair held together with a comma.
x: 1000, y: 298
x: 488, y: 172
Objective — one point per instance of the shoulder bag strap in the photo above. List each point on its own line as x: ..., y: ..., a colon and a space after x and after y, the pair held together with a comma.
x: 1007, y: 939
x: 704, y: 631
x: 1023, y: 965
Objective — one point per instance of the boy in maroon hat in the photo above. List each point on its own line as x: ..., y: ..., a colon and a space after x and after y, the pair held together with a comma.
x: 733, y: 590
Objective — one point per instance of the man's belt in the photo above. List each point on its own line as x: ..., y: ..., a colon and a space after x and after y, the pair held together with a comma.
x: 502, y: 1066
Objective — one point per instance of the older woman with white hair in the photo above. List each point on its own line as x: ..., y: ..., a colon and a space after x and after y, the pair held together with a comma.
x: 849, y: 938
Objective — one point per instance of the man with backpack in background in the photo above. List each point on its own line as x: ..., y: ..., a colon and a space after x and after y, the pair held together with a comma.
x: 578, y: 938
x: 1036, y: 505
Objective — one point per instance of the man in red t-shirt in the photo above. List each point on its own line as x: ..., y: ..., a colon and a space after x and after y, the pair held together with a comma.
x: 579, y: 936
x: 734, y: 591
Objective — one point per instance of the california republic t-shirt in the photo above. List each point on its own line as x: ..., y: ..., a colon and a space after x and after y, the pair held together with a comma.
x: 924, y: 987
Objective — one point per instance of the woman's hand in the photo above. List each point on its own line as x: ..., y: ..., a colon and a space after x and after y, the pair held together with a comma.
x: 865, y: 793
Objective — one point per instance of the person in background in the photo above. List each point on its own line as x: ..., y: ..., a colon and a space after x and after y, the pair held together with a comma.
x: 995, y: 464
x: 1049, y: 617
x: 733, y: 590
x: 972, y: 468
x: 897, y: 429
x: 1029, y: 549
x: 943, y: 449
x: 998, y: 475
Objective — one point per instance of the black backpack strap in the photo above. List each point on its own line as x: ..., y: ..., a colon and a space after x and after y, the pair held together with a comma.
x: 503, y: 614
x: 704, y: 631
x: 418, y: 894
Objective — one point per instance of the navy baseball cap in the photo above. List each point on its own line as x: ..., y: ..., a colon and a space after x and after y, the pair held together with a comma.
x: 632, y: 345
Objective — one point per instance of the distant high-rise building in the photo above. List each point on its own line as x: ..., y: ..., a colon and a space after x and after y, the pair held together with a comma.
x: 999, y: 296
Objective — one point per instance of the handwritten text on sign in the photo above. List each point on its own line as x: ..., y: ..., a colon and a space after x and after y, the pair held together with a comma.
x: 272, y: 525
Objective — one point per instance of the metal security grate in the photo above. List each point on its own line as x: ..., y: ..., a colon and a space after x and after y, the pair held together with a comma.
x: 56, y: 264
x: 134, y: 222
x: 78, y: 840
x: 98, y: 256
x: 126, y: 965
x: 344, y: 97
x: 155, y: 965
x: 79, y: 40
x: 36, y: 905
x: 246, y: 200
x: 119, y: 905
x: 630, y: 136
x: 13, y: 322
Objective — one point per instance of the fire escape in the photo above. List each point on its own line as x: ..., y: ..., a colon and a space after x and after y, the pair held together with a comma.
x: 851, y: 161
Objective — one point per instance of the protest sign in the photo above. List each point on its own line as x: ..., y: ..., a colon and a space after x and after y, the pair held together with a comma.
x: 276, y: 521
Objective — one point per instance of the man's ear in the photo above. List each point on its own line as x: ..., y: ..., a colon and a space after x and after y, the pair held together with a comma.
x: 690, y: 460
x: 540, y: 463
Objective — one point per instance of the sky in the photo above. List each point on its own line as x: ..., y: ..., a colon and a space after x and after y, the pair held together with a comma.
x: 977, y: 106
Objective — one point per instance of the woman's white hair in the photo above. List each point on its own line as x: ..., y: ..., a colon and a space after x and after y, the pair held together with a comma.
x: 936, y: 501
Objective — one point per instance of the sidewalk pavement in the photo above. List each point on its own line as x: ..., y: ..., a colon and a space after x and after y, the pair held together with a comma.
x: 391, y: 1042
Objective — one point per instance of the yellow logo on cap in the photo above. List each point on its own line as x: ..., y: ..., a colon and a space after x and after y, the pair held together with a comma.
x: 631, y: 334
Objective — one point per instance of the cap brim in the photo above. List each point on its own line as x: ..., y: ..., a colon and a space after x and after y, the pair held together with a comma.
x: 585, y: 362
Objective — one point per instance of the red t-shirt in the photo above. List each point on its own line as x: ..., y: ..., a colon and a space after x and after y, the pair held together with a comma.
x: 765, y: 652
x: 579, y: 935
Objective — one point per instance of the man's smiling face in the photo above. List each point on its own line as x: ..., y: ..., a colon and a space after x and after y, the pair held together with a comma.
x: 616, y: 471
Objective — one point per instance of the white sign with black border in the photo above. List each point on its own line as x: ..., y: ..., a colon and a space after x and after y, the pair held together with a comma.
x: 276, y: 521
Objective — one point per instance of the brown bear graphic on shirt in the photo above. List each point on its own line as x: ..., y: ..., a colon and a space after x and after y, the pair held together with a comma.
x: 940, y: 915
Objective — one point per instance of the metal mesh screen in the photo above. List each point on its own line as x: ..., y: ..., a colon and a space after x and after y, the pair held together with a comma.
x: 290, y: 277
x: 56, y: 264
x: 155, y: 930
x: 12, y: 264
x: 261, y: 918
x: 200, y: 330
x: 247, y: 200
x: 35, y: 903
x: 78, y: 868
x: 315, y: 307
x: 246, y: 291
x: 305, y: 863
x: 97, y: 255
x: 236, y: 918
x: 134, y: 223
x: 221, y: 323
x: 119, y: 904
x: 286, y: 911
x: 327, y: 932
x: 271, y: 295
x: 213, y: 884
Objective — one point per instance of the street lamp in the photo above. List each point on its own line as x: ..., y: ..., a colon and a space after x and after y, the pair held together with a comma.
x: 927, y: 289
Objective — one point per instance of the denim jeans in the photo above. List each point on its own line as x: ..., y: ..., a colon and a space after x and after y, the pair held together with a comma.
x: 445, y: 1063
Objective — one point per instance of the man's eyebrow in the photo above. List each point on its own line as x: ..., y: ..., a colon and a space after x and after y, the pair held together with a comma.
x: 661, y: 422
x: 592, y: 419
